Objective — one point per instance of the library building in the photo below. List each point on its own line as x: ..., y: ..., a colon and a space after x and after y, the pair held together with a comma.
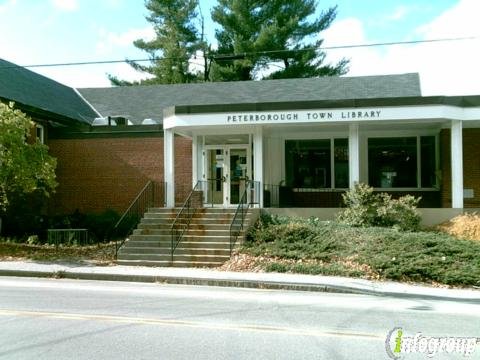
x: 276, y: 144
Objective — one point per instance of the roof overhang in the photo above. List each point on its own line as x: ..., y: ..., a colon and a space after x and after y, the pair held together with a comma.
x: 408, y: 110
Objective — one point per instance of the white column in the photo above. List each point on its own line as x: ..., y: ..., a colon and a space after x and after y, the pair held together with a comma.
x: 194, y: 160
x: 258, y: 160
x: 169, y: 165
x: 353, y: 154
x: 456, y: 145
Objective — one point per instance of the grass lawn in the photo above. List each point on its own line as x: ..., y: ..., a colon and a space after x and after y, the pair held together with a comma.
x: 100, y: 254
x: 329, y: 248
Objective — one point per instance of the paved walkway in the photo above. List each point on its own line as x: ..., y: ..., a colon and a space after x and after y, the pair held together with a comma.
x: 194, y: 276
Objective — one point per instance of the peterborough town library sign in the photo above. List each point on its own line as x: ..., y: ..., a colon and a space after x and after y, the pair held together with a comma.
x: 302, y: 116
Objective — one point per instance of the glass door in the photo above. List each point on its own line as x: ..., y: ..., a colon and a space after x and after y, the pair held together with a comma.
x: 215, y: 179
x: 238, y: 164
x: 226, y: 172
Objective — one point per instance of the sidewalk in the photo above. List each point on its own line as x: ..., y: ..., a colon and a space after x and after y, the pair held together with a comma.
x: 194, y: 276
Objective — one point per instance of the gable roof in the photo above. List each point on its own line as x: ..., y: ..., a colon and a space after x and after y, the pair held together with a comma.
x: 37, y: 92
x: 148, y: 101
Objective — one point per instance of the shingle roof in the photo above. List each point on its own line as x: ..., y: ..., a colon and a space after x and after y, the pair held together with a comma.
x: 28, y: 88
x: 142, y: 102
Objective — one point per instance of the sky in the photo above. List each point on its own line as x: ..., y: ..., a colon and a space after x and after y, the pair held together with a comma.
x: 62, y: 31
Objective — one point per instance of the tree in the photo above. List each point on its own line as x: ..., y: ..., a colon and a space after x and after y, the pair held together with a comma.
x: 259, y: 33
x: 25, y: 168
x: 175, y: 43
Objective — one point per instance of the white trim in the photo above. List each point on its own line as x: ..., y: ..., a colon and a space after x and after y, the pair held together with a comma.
x: 194, y: 160
x: 169, y: 165
x: 353, y: 154
x: 41, y: 138
x: 335, y: 115
x: 87, y: 102
x: 456, y: 156
x: 258, y: 159
x: 419, y: 166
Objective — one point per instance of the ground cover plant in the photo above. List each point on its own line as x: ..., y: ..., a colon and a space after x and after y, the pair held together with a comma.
x: 311, y: 246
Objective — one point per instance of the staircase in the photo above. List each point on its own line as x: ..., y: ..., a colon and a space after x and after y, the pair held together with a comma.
x: 206, y: 243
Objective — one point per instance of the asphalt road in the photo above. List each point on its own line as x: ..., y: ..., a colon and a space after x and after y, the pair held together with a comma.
x: 73, y: 319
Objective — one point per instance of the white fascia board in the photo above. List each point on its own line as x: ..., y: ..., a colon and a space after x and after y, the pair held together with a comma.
x: 370, y: 114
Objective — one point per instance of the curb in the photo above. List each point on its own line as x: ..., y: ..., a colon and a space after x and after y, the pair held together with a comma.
x: 251, y: 284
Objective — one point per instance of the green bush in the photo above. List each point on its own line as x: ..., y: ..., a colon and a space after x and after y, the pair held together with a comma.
x: 332, y: 248
x: 365, y: 208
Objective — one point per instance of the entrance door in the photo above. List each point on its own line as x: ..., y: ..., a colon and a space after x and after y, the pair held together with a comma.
x: 226, y: 170
x: 238, y: 173
x: 215, y: 179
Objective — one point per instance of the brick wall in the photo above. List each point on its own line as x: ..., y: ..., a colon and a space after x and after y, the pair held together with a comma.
x: 471, y: 166
x: 107, y: 173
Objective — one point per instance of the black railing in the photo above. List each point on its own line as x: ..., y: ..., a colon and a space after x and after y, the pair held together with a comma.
x: 182, y: 221
x: 281, y: 196
x: 152, y: 195
x: 251, y: 195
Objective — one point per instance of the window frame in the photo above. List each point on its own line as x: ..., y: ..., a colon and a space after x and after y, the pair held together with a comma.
x: 331, y: 139
x: 40, y: 138
x: 418, y: 136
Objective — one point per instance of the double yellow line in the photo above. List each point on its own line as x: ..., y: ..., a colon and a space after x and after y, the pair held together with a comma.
x: 191, y: 324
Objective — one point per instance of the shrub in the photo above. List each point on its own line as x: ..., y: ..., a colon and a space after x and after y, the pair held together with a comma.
x: 399, y: 213
x: 365, y: 208
x: 361, y: 206
x: 100, y: 226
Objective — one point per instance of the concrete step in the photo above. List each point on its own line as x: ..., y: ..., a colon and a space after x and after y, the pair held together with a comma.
x: 203, y: 210
x: 170, y: 263
x: 193, y: 226
x: 206, y: 243
x: 181, y: 250
x: 192, y: 232
x: 176, y: 257
x: 155, y: 241
x: 195, y: 220
x: 163, y: 210
x: 188, y: 244
x: 165, y: 217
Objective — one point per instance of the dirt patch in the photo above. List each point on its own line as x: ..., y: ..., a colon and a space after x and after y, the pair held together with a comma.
x: 101, y: 254
x: 465, y: 226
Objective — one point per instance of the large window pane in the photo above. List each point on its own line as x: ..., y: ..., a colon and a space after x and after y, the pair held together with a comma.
x: 341, y: 163
x: 307, y: 163
x: 392, y: 162
x: 427, y: 151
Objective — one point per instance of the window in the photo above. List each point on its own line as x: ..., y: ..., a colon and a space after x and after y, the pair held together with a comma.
x: 39, y: 132
x: 428, y: 161
x: 308, y: 163
x: 341, y: 163
x: 394, y: 162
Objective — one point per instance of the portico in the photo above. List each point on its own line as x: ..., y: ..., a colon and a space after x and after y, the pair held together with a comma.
x: 315, y: 151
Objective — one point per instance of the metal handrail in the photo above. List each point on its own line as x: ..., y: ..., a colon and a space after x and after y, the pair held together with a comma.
x: 176, y: 235
x: 236, y: 226
x: 145, y: 199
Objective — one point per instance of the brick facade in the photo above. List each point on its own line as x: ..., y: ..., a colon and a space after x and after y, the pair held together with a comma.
x: 107, y: 173
x: 471, y: 167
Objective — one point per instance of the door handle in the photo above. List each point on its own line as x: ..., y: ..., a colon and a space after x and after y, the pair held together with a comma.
x: 224, y: 178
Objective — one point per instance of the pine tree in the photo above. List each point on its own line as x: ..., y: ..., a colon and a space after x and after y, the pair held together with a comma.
x: 261, y: 32
x: 175, y: 43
